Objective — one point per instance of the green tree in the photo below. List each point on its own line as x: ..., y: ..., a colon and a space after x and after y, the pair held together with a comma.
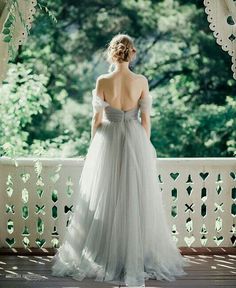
x: 189, y: 75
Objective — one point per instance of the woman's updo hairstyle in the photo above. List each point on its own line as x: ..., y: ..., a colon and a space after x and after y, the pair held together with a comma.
x: 120, y: 49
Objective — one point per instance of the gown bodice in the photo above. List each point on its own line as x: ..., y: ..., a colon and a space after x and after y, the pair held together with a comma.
x: 117, y: 115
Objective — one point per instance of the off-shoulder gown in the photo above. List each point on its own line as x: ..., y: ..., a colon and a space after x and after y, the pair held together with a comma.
x: 118, y: 232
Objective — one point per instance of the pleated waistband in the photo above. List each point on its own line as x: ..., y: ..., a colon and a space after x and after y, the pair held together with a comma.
x: 116, y: 115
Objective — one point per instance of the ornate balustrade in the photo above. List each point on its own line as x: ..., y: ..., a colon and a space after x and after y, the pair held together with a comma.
x: 36, y: 200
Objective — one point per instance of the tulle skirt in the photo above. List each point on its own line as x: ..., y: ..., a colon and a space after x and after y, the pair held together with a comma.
x: 118, y: 232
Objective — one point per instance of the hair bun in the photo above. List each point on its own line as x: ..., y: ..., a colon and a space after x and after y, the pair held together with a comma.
x: 120, y: 48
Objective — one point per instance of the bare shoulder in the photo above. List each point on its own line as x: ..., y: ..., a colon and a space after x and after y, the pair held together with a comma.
x: 101, y: 77
x: 100, y: 81
x: 142, y: 78
x: 143, y: 82
x: 104, y: 76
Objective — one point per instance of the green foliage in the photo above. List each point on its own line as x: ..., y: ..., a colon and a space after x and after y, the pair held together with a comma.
x: 22, y: 96
x: 47, y: 11
x: 189, y: 76
x: 208, y: 131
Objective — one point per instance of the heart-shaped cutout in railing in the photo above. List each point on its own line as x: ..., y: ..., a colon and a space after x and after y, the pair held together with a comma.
x: 40, y: 242
x: 174, y: 176
x: 218, y: 240
x: 203, y: 175
x: 10, y: 242
x: 189, y: 240
x: 25, y: 177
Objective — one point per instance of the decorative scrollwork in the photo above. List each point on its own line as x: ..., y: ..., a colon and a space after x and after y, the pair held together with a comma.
x: 222, y: 19
x: 16, y: 18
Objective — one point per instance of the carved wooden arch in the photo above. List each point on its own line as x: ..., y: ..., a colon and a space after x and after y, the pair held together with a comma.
x: 222, y: 19
x: 22, y: 12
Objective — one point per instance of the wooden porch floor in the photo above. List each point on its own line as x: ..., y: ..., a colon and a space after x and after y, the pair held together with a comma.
x: 34, y: 271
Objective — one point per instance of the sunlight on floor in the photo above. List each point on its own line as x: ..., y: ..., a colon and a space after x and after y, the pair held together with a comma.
x: 205, y: 269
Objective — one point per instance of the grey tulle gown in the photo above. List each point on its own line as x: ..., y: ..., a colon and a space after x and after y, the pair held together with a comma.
x: 118, y: 232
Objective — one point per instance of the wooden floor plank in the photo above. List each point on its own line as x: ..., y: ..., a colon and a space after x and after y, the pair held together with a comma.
x: 183, y: 250
x: 205, y: 271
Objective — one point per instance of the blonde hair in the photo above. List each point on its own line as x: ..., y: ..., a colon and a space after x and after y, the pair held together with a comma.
x: 120, y: 49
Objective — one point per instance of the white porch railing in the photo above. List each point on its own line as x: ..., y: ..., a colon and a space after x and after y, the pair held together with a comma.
x: 36, y: 200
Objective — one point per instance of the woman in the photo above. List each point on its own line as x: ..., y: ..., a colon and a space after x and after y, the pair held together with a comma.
x: 118, y: 232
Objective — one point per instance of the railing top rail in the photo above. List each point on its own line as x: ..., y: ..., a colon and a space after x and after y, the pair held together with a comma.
x: 77, y: 161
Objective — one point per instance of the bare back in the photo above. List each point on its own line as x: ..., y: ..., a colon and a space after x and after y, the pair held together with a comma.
x: 122, y: 89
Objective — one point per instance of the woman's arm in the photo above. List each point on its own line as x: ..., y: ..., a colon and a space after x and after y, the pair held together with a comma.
x: 146, y: 123
x: 145, y: 115
x: 97, y: 115
x: 95, y: 123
